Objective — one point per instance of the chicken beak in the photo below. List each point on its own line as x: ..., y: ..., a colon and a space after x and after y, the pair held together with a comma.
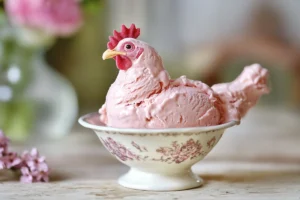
x: 111, y: 53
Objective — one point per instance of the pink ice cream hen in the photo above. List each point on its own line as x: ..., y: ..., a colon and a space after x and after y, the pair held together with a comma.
x: 144, y: 96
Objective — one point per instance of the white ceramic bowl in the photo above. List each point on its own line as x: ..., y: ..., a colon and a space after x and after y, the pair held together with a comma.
x: 159, y: 159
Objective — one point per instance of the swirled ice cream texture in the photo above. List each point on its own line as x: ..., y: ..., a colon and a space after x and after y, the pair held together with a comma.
x: 144, y: 96
x: 181, y: 102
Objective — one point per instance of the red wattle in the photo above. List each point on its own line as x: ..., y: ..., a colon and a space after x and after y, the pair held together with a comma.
x: 123, y: 62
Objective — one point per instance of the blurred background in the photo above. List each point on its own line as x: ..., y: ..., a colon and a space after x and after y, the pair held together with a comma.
x: 45, y: 90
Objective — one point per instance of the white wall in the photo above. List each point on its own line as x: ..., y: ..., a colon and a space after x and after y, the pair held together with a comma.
x: 172, y: 25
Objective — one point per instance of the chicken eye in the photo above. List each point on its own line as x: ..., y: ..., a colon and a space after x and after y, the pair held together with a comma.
x: 128, y: 46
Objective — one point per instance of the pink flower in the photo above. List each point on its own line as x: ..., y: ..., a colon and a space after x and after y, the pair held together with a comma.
x: 10, y: 160
x: 29, y: 176
x: 3, y: 142
x: 26, y: 176
x: 35, y: 168
x: 55, y: 17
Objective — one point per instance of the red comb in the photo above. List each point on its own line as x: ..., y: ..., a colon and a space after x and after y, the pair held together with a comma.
x: 131, y: 32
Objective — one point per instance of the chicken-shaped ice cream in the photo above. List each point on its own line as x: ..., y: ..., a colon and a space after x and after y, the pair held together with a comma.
x: 144, y: 96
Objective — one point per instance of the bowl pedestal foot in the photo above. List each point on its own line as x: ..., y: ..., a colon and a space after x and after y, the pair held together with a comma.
x: 141, y: 180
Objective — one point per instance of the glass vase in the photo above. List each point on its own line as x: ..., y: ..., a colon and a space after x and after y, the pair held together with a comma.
x: 55, y: 100
x: 35, y: 100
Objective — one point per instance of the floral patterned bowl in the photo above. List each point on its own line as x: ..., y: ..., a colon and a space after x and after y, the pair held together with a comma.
x: 159, y: 159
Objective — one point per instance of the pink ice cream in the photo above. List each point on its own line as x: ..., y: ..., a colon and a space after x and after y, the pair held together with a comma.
x: 243, y: 93
x: 144, y: 96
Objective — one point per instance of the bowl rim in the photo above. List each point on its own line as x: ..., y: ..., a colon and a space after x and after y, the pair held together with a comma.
x: 82, y: 121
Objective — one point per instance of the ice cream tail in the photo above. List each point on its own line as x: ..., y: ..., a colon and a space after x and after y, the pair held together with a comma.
x: 244, y: 92
x: 255, y: 77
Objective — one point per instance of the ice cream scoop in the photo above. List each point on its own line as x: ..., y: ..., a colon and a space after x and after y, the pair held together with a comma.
x: 144, y: 96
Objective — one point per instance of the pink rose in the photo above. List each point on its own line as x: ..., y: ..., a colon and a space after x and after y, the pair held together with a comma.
x: 55, y: 17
